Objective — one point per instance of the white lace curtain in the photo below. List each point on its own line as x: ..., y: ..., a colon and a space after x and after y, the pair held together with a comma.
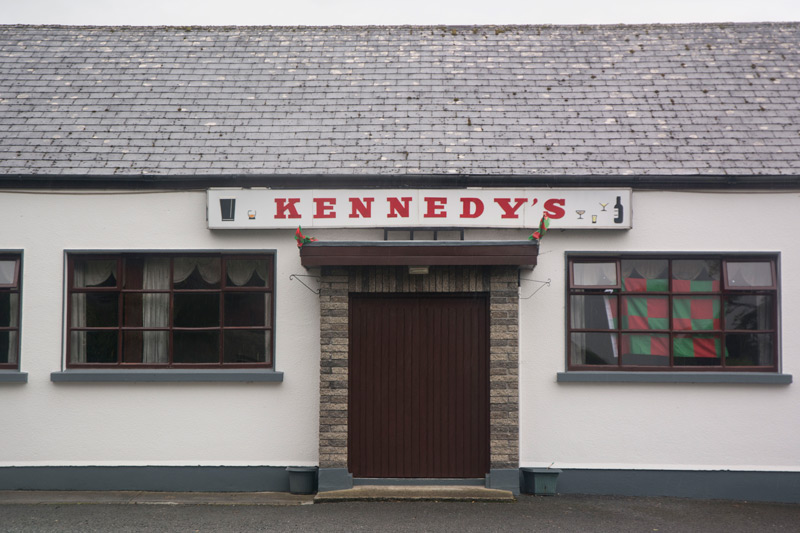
x: 646, y: 268
x: 750, y: 274
x: 209, y: 268
x: 86, y: 274
x: 592, y: 274
x: 7, y: 269
x: 690, y: 270
x: 239, y: 270
x: 155, y: 310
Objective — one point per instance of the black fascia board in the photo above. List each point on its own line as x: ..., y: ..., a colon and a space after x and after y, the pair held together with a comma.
x: 393, y: 181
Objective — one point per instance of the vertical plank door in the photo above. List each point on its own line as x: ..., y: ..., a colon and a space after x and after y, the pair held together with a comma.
x: 418, y: 386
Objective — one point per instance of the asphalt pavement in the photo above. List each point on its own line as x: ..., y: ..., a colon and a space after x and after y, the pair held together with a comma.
x: 528, y: 513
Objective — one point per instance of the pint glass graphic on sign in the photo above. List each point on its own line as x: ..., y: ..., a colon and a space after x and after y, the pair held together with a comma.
x: 228, y: 208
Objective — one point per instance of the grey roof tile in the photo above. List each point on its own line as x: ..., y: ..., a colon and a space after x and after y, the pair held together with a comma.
x: 651, y: 99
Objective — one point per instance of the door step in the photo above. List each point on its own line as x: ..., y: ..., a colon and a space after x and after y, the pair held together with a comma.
x: 392, y: 493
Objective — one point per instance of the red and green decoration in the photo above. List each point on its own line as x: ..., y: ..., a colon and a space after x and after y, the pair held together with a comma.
x: 645, y: 312
x: 646, y: 344
x: 302, y: 239
x: 645, y: 285
x: 696, y: 313
x: 697, y: 346
x: 690, y: 314
x: 685, y: 285
x: 544, y: 225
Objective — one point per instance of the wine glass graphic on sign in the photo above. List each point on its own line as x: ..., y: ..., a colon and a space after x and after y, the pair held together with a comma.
x: 580, y: 213
x: 603, y: 205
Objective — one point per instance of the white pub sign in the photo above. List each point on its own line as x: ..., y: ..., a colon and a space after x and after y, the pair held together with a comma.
x: 431, y: 208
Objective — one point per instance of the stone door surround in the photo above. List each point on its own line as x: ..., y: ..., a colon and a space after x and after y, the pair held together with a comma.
x: 500, y: 282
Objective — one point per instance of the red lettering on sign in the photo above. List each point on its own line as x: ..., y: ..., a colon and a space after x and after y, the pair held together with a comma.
x: 324, y: 207
x: 508, y: 210
x: 362, y: 207
x: 436, y: 207
x: 472, y: 207
x: 398, y: 207
x: 284, y: 205
x: 555, y: 207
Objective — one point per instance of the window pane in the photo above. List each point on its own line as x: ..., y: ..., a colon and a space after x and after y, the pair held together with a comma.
x: 148, y: 347
x: 753, y: 349
x: 247, y: 346
x: 647, y: 350
x: 8, y: 271
x: 696, y: 350
x: 594, y: 274
x: 593, y: 312
x: 8, y: 346
x: 9, y: 309
x: 95, y: 310
x: 246, y: 273
x: 93, y: 347
x: 247, y: 309
x: 195, y: 347
x: 645, y: 312
x: 197, y: 272
x: 148, y: 273
x: 593, y: 348
x: 695, y: 275
x: 132, y: 347
x: 196, y: 310
x: 748, y: 311
x: 645, y: 275
x: 695, y: 313
x: 749, y: 274
x: 95, y: 273
x: 146, y: 310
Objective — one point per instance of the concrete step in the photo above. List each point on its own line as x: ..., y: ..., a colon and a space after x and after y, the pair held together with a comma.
x: 383, y: 493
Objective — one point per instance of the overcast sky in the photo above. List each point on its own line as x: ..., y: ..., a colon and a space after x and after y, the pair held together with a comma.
x: 353, y: 12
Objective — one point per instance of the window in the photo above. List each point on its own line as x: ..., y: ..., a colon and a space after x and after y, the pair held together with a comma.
x: 160, y: 310
x: 10, y: 286
x: 679, y: 313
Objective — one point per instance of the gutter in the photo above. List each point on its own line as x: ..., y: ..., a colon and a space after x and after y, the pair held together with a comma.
x: 393, y: 181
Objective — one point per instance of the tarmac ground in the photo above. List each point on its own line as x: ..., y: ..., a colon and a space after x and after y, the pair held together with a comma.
x: 209, y: 512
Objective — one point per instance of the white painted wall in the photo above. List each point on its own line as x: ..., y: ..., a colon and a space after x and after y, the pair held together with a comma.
x: 149, y: 423
x: 663, y: 426
x: 626, y: 425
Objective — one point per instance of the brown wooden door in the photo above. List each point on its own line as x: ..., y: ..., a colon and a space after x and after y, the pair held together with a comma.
x: 418, y: 386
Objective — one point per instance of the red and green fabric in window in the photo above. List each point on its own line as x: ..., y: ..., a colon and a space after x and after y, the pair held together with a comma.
x: 644, y: 344
x: 696, y: 313
x: 646, y: 285
x: 690, y: 314
x: 686, y: 285
x: 697, y: 346
x: 646, y: 314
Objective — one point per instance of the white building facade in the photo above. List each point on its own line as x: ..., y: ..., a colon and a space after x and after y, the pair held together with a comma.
x: 160, y: 337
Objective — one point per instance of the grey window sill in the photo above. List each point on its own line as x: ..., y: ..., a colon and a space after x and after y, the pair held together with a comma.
x: 757, y: 378
x: 13, y: 376
x: 133, y: 375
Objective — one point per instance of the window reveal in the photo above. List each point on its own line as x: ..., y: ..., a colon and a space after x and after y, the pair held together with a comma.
x: 688, y: 313
x: 10, y: 286
x: 160, y: 310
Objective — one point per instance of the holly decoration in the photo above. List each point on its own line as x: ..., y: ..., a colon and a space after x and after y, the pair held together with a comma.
x: 544, y: 224
x: 302, y: 239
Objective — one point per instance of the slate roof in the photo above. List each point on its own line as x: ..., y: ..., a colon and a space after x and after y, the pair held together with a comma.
x: 528, y: 100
